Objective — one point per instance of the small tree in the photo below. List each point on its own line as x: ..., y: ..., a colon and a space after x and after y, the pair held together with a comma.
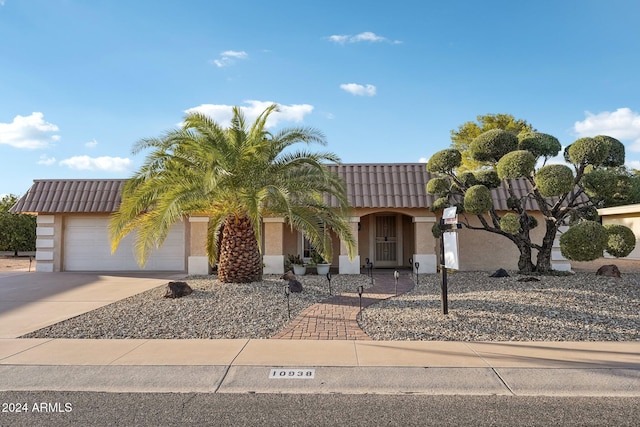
x: 558, y: 191
x: 465, y: 134
x: 17, y: 231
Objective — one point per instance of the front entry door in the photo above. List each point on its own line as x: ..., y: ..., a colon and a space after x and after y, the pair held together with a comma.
x: 387, y: 242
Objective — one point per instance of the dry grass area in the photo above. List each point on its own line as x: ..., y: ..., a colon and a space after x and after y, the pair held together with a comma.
x: 20, y: 263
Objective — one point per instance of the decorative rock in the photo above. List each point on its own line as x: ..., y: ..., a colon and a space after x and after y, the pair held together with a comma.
x: 610, y: 270
x: 294, y: 284
x: 177, y: 290
x: 528, y: 279
x: 501, y: 272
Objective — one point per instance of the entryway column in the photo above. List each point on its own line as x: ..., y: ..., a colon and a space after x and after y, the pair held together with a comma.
x: 198, y: 261
x: 273, y: 246
x: 425, y: 244
x: 346, y: 265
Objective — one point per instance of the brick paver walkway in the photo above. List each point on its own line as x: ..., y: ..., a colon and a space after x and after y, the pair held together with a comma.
x: 335, y: 318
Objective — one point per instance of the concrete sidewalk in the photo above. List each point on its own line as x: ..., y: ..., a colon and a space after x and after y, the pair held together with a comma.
x: 29, y: 301
x: 305, y: 366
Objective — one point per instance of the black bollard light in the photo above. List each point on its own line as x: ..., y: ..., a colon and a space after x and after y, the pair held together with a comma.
x: 396, y: 276
x: 371, y: 272
x: 417, y: 264
x: 329, y: 280
x: 360, y: 292
x: 30, y: 261
x: 287, y: 291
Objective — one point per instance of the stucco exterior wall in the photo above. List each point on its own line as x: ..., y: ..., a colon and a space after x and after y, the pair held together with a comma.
x: 481, y: 250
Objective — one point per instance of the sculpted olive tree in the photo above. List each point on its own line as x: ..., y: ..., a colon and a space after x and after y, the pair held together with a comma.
x: 559, y: 192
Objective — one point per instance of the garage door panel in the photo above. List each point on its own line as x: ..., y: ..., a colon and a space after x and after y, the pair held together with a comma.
x: 87, y: 248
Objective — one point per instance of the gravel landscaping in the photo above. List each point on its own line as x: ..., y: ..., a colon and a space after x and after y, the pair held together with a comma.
x: 214, y: 310
x: 582, y: 307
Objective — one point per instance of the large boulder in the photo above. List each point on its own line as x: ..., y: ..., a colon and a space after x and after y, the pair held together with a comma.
x: 501, y: 272
x: 610, y: 270
x: 177, y: 290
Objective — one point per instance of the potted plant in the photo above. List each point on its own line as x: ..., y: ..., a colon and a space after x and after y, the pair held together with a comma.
x: 297, y: 263
x: 322, y: 266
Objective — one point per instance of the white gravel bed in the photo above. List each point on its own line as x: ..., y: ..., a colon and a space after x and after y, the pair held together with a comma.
x: 582, y: 307
x: 214, y: 310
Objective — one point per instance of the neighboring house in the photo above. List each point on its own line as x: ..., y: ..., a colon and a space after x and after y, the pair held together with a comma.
x: 628, y: 215
x: 390, y: 219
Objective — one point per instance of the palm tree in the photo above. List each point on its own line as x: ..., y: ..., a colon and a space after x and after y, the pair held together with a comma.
x: 235, y: 176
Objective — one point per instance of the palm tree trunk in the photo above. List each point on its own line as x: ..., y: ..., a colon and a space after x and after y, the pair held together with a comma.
x: 239, y: 260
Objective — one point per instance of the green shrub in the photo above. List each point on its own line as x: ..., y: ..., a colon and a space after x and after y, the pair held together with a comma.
x: 436, y: 230
x: 491, y: 145
x: 477, y: 200
x: 554, y: 180
x: 620, y: 240
x: 539, y: 144
x: 584, y: 241
x: 444, y: 161
x: 488, y: 178
x: 516, y: 164
x: 599, y: 182
x: 439, y: 204
x: 510, y: 223
x: 468, y: 179
x: 615, y: 151
x: 588, y: 151
x: 438, y: 186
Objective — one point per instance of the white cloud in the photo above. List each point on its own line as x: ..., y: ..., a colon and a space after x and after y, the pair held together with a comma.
x: 633, y: 164
x: 359, y: 90
x: 91, y: 144
x: 30, y: 132
x: 229, y: 57
x: 623, y: 124
x: 366, y: 36
x: 46, y: 160
x: 423, y: 160
x: 223, y: 113
x: 104, y: 163
x: 339, y: 39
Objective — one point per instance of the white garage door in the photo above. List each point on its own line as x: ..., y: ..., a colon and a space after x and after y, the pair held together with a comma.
x: 87, y: 248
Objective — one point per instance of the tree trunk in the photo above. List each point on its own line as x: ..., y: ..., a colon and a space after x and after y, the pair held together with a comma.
x: 239, y: 259
x: 525, y: 265
x: 543, y: 263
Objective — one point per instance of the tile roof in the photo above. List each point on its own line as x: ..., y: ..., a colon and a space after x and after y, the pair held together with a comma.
x: 71, y: 196
x: 385, y: 185
x: 379, y: 185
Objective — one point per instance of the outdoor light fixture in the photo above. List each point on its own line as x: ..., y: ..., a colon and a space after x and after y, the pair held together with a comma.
x: 371, y: 271
x: 360, y: 292
x: 329, y: 280
x: 417, y: 264
x: 396, y: 276
x: 287, y: 292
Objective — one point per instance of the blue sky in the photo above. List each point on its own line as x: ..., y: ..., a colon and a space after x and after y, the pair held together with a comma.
x: 82, y: 80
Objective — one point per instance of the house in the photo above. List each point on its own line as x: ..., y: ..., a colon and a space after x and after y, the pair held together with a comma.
x: 390, y: 219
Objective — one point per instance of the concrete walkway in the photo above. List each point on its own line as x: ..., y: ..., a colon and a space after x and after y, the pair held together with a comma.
x: 336, y: 317
x: 317, y: 366
x: 29, y: 300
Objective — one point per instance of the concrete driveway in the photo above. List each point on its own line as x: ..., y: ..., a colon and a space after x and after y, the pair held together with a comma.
x: 30, y: 301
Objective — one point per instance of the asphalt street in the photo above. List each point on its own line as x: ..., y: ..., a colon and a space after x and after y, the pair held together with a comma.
x: 180, y: 409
